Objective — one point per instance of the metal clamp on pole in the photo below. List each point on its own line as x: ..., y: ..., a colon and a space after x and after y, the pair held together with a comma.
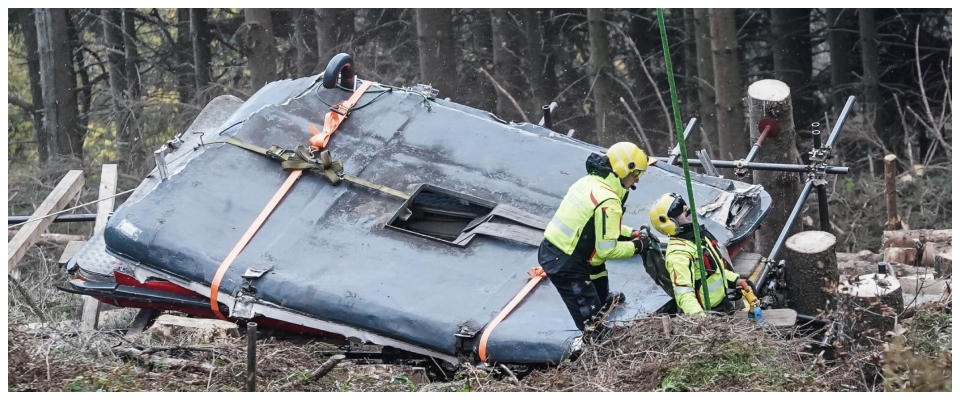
x: 158, y: 157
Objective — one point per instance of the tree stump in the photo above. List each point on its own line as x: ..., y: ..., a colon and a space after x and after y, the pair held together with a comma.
x: 902, y: 255
x: 943, y: 264
x: 872, y: 302
x: 770, y: 99
x: 811, y: 271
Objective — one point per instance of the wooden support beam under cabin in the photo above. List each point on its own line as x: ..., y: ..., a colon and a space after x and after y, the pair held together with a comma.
x: 67, y: 189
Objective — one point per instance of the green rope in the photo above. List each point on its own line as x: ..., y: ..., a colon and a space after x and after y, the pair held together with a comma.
x: 683, y: 156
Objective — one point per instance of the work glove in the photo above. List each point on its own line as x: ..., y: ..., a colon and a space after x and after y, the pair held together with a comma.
x: 639, y: 235
x: 736, y: 285
x: 638, y: 245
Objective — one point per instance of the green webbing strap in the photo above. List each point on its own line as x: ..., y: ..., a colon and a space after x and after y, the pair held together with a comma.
x: 301, y: 158
x: 683, y: 155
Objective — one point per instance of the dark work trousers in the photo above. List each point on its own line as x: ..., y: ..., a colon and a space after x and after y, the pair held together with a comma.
x: 571, y: 277
x: 602, y: 283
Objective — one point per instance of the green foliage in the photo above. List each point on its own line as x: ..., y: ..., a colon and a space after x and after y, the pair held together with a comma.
x: 735, y: 363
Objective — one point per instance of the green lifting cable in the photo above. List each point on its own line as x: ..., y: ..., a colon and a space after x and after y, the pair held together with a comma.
x: 683, y: 156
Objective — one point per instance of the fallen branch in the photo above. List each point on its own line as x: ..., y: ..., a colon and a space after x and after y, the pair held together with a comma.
x: 155, y: 361
x: 510, y: 373
x: 505, y: 93
x: 316, y: 374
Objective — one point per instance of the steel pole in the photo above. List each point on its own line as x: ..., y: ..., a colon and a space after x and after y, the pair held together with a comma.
x: 756, y: 146
x: 770, y: 166
x: 675, y: 154
x: 840, y: 121
x: 251, y: 356
x: 822, y: 207
x: 17, y: 219
x: 762, y: 279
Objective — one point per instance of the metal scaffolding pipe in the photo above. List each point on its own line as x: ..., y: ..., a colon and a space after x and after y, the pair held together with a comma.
x: 762, y: 279
x: 840, y: 121
x: 675, y: 153
x: 251, y: 356
x: 18, y: 219
x: 771, y: 166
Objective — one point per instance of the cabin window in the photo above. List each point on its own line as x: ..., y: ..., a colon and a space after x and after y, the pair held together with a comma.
x: 441, y: 214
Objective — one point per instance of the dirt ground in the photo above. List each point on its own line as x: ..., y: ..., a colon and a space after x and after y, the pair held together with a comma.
x: 657, y: 353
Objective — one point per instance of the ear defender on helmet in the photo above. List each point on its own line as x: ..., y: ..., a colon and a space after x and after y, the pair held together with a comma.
x: 626, y: 158
x: 664, y: 211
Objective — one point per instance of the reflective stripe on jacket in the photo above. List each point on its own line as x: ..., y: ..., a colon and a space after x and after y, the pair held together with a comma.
x: 685, y: 274
x: 591, y: 201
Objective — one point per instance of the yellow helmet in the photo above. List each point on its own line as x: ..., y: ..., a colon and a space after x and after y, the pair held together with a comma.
x: 664, y: 212
x: 626, y: 158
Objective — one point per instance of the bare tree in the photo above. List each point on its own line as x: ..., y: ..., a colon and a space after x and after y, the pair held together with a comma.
x: 27, y: 23
x: 507, y: 60
x: 871, y: 66
x: 705, y: 80
x: 734, y: 140
x: 184, y: 56
x: 305, y: 41
x: 201, y: 37
x: 792, y: 59
x: 61, y: 118
x: 611, y: 127
x: 841, y: 40
x: 262, y: 58
x: 437, y: 58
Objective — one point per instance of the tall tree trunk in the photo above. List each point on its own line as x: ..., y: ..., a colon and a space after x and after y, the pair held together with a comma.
x: 29, y: 27
x: 262, y: 57
x: 707, y: 94
x: 305, y: 40
x: 438, y: 65
x: 507, y: 67
x: 132, y: 54
x: 551, y: 37
x: 326, y: 22
x: 201, y: 36
x: 478, y: 53
x: 116, y: 65
x: 534, y: 60
x: 792, y: 59
x: 61, y: 118
x: 840, y: 38
x: 184, y: 54
x: 611, y: 127
x: 734, y: 141
x: 871, y: 65
x: 689, y: 66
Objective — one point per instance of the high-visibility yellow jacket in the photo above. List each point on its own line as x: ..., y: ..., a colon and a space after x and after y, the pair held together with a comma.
x: 681, y: 258
x: 587, y: 225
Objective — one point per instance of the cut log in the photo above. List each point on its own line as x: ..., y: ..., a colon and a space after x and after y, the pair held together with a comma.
x: 902, y: 255
x: 928, y: 253
x: 770, y: 105
x: 811, y: 271
x: 890, y: 192
x: 910, y: 238
x: 872, y: 302
x: 863, y: 255
x: 856, y: 267
x: 943, y: 264
x: 67, y: 189
x: 58, y: 238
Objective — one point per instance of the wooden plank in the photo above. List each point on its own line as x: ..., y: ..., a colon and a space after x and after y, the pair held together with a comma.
x: 91, y: 314
x: 108, y: 187
x: 774, y: 317
x: 69, y: 251
x: 67, y: 189
x: 51, y: 237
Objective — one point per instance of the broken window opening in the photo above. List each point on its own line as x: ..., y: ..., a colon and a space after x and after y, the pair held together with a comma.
x: 441, y: 214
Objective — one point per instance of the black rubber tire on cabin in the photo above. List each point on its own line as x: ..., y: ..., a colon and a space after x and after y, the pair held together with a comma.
x: 340, y: 66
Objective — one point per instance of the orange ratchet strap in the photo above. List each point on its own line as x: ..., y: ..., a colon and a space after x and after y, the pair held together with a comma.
x: 536, y: 275
x: 225, y: 265
x: 335, y: 117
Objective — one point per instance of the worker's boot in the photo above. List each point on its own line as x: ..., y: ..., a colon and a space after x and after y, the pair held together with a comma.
x: 614, y: 298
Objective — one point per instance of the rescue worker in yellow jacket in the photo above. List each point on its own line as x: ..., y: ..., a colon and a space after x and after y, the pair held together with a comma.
x: 586, y: 230
x: 671, y: 216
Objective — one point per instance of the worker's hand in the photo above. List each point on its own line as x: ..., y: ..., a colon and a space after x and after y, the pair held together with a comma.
x: 639, y: 235
x: 749, y: 283
x: 638, y: 245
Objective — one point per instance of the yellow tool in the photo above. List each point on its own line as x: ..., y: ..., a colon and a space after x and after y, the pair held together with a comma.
x: 753, y: 303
